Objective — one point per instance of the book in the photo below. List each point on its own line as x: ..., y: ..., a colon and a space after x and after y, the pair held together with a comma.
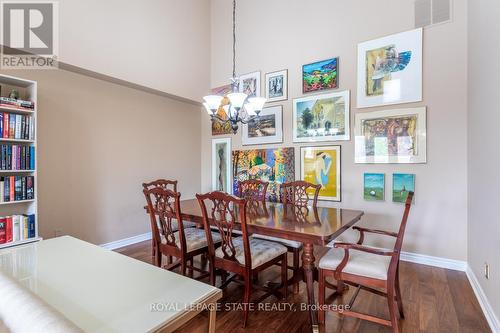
x: 3, y: 235
x: 31, y: 226
x: 12, y: 188
x: 8, y: 229
x: 6, y: 192
x: 2, y: 196
x: 5, y: 125
x: 16, y: 227
x: 30, y: 188
x: 17, y: 131
x: 32, y: 158
x: 12, y: 126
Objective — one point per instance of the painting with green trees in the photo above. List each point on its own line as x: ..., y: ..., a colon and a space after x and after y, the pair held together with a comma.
x: 321, y: 117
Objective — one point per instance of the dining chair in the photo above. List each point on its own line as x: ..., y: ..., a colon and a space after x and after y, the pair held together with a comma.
x: 183, y: 243
x: 371, y: 269
x: 253, y: 190
x: 242, y: 256
x: 165, y: 184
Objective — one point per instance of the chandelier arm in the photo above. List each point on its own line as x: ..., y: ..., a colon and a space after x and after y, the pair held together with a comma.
x: 219, y: 118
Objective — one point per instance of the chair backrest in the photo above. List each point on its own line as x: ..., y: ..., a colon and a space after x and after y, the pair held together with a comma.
x: 399, y: 241
x: 295, y: 193
x: 164, y: 210
x: 224, y: 211
x: 253, y: 190
x: 163, y: 183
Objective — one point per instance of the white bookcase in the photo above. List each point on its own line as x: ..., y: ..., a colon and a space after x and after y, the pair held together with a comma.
x: 27, y: 91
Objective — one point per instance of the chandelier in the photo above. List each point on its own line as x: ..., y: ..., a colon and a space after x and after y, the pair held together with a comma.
x: 237, y: 107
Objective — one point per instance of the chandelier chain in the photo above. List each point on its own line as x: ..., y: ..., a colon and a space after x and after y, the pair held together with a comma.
x: 234, y: 39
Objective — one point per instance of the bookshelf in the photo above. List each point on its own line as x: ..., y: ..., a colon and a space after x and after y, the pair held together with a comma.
x: 25, y: 205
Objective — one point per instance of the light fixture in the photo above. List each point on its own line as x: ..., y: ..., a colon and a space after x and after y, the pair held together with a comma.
x: 237, y: 106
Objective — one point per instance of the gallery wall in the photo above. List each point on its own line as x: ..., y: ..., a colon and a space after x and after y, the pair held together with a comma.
x: 97, y: 143
x: 284, y: 34
x: 484, y: 159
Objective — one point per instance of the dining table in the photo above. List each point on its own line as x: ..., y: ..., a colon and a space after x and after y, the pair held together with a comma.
x: 311, y: 225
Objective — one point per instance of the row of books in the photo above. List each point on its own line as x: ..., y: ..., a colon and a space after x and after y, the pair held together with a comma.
x: 16, y: 126
x: 17, y: 228
x: 17, y: 157
x: 15, y: 188
x: 17, y: 103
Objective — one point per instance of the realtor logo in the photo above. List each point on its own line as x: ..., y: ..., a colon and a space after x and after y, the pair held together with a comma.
x: 29, y: 34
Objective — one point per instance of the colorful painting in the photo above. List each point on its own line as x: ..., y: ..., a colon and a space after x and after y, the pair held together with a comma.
x: 267, y: 128
x: 221, y: 165
x: 390, y: 70
x: 277, y: 86
x: 275, y: 166
x: 321, y: 117
x: 402, y: 183
x: 219, y: 127
x: 321, y: 165
x: 320, y: 75
x: 394, y: 136
x: 250, y: 84
x: 374, y: 186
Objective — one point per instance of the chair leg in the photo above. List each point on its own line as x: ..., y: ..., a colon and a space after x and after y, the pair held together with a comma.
x: 153, y: 248
x: 321, y: 296
x: 246, y: 298
x: 284, y: 276
x: 399, y: 299
x: 392, y: 308
x: 211, y: 270
x: 158, y: 256
x: 183, y: 266
x: 295, y: 268
x: 169, y: 260
x: 190, y: 268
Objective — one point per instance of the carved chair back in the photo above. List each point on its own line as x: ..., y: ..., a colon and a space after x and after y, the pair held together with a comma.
x: 224, y: 211
x: 163, y: 183
x: 402, y: 227
x: 296, y: 193
x: 253, y: 190
x: 164, y: 210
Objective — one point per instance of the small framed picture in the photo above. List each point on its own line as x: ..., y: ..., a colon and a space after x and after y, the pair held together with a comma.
x: 250, y: 84
x: 320, y: 75
x: 221, y: 165
x: 374, y: 187
x: 277, y: 86
x: 402, y: 183
x: 268, y: 128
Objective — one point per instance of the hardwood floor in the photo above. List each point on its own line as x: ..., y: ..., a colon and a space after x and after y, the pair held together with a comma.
x: 435, y: 300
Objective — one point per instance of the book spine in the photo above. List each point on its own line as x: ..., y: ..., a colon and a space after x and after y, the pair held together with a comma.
x: 16, y: 230
x: 1, y: 123
x: 8, y: 229
x: 23, y: 188
x: 32, y: 158
x: 12, y: 188
x: 17, y: 133
x: 32, y: 229
x: 14, y: 158
x: 12, y: 126
x: 18, y: 158
x: 2, y: 189
x: 25, y: 228
x: 6, y: 194
x: 23, y: 127
x: 18, y: 189
x: 3, y: 235
x: 5, y: 125
x: 32, y: 129
x: 30, y: 188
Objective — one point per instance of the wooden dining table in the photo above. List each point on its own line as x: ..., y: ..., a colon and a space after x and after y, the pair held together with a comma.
x: 310, y: 226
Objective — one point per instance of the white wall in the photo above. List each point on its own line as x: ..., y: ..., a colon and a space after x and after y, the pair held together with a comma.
x: 274, y: 35
x: 484, y: 158
x: 160, y: 44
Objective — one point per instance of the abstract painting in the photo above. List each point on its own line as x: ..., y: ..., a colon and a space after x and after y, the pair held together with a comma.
x: 250, y: 84
x: 321, y: 165
x: 274, y: 165
x: 374, y: 186
x: 321, y: 117
x: 267, y: 128
x: 221, y: 165
x: 320, y: 75
x: 393, y: 136
x: 402, y: 183
x: 390, y: 70
x: 277, y: 86
x: 219, y: 127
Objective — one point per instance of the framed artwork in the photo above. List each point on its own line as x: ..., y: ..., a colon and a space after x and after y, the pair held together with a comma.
x: 320, y: 75
x: 221, y: 165
x: 219, y: 127
x: 374, y: 187
x: 390, y: 70
x: 321, y: 117
x: 402, y: 183
x: 277, y: 86
x: 321, y: 165
x: 392, y: 136
x: 267, y: 129
x: 275, y: 165
x: 250, y: 84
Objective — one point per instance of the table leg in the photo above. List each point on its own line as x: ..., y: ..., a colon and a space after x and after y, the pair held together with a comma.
x: 212, y: 313
x: 308, y: 266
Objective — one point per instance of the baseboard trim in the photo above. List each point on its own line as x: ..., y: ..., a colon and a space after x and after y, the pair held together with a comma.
x: 483, y: 301
x: 456, y: 265
x: 127, y: 241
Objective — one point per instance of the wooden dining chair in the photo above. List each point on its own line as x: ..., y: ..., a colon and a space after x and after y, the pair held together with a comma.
x: 253, y: 190
x: 184, y: 243
x: 241, y: 256
x: 368, y: 268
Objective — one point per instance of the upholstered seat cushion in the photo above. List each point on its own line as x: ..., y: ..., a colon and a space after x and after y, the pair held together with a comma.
x: 262, y: 251
x: 235, y: 232
x: 286, y: 242
x: 360, y: 263
x: 175, y: 225
x: 195, y: 238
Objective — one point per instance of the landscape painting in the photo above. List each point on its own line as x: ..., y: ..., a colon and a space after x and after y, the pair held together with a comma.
x: 275, y: 166
x: 250, y: 84
x: 320, y: 75
x: 394, y: 136
x: 267, y: 128
x: 374, y: 186
x: 321, y: 165
x: 321, y: 117
x: 219, y: 127
x: 402, y: 183
x: 390, y: 70
x: 277, y: 86
x: 221, y: 165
